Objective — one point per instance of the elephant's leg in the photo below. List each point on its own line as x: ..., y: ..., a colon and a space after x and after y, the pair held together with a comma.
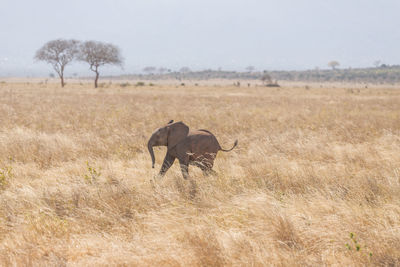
x: 168, y: 161
x: 207, y: 164
x: 184, y: 167
x: 207, y: 170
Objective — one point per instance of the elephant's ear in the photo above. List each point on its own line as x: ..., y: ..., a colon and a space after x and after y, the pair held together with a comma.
x: 177, y: 132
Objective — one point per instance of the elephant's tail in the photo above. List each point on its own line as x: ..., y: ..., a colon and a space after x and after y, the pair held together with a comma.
x: 227, y: 150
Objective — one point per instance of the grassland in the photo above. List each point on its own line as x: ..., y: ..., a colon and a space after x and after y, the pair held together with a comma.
x: 314, y: 181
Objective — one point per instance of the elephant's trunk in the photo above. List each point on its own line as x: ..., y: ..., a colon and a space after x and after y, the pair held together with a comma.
x: 150, y: 147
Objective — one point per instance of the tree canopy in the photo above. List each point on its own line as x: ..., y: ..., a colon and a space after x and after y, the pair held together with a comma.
x: 98, y: 54
x: 58, y: 53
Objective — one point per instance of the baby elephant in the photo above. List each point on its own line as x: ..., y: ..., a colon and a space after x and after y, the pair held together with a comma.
x: 198, y: 147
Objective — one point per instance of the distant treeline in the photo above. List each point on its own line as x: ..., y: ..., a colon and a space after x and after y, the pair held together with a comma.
x: 383, y: 74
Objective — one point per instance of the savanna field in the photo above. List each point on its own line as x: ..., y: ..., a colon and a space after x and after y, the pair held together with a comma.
x: 315, y: 179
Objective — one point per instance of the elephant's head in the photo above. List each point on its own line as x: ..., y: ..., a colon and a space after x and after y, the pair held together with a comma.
x: 169, y: 135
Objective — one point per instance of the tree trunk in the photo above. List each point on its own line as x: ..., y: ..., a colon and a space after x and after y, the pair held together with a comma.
x: 61, y: 73
x: 96, y: 79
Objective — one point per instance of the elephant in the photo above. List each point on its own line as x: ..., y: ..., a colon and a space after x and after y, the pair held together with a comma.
x: 198, y: 147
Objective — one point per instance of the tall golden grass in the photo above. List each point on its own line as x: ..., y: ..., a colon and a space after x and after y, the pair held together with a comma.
x: 314, y: 181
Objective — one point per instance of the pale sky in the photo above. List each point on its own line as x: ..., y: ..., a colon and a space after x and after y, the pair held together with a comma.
x: 202, y: 34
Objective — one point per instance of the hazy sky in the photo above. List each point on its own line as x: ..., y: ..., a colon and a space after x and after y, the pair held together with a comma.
x: 231, y: 34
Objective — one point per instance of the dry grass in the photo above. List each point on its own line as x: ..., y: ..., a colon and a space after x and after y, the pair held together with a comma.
x: 312, y: 167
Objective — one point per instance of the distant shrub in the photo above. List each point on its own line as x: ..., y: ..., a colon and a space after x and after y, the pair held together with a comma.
x: 124, y: 84
x: 272, y: 85
x: 151, y: 84
x: 140, y: 84
x: 182, y: 84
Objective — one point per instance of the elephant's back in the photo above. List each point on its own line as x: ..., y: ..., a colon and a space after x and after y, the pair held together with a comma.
x: 203, y: 141
x: 203, y: 131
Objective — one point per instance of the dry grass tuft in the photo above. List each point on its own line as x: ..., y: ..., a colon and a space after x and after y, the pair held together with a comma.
x: 285, y: 233
x: 314, y: 181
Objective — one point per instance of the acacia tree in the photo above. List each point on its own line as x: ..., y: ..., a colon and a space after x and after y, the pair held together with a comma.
x: 377, y: 63
x: 183, y: 71
x: 149, y: 70
x: 333, y: 64
x: 266, y: 77
x: 250, y: 69
x: 162, y: 70
x: 58, y: 53
x: 98, y: 54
